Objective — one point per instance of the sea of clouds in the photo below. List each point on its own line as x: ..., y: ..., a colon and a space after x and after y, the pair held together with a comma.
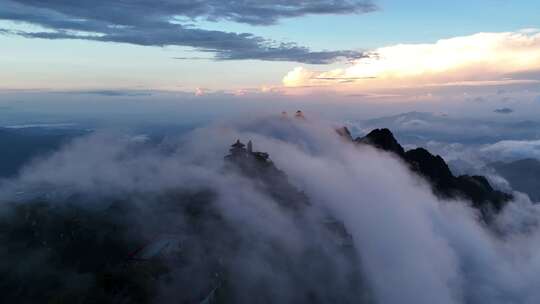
x: 413, y: 247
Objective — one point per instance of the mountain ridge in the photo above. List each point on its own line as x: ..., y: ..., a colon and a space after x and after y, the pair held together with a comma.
x: 436, y: 171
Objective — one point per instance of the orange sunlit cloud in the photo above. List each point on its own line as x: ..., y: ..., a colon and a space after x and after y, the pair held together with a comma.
x: 479, y: 59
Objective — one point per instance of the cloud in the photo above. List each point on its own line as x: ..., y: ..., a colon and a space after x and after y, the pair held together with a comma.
x: 503, y: 111
x: 165, y: 23
x: 112, y: 93
x: 201, y: 91
x: 413, y: 247
x: 513, y: 149
x: 479, y: 59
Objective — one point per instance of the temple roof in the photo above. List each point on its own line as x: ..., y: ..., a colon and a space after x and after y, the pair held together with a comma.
x: 238, y: 144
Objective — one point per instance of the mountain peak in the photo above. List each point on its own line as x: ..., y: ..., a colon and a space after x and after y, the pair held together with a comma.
x: 435, y: 170
x: 345, y: 133
x: 258, y: 167
x: 384, y: 140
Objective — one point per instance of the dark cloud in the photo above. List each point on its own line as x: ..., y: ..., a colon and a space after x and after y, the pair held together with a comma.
x: 504, y: 111
x: 113, y: 93
x: 164, y: 23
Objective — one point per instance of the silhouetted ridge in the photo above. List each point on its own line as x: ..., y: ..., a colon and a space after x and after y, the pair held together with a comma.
x: 478, y: 189
x: 433, y: 167
x: 384, y: 140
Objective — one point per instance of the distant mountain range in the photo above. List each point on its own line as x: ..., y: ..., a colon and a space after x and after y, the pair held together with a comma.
x: 20, y: 144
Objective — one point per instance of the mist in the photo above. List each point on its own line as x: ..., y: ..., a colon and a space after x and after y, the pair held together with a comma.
x: 409, y: 245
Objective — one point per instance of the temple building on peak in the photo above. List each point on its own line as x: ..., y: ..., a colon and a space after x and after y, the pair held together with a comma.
x: 240, y: 151
x: 299, y: 114
x: 258, y: 167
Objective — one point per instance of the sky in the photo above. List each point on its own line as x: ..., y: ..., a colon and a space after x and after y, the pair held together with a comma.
x: 359, y: 51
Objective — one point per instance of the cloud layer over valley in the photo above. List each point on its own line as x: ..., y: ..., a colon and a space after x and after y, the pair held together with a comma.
x: 412, y: 247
